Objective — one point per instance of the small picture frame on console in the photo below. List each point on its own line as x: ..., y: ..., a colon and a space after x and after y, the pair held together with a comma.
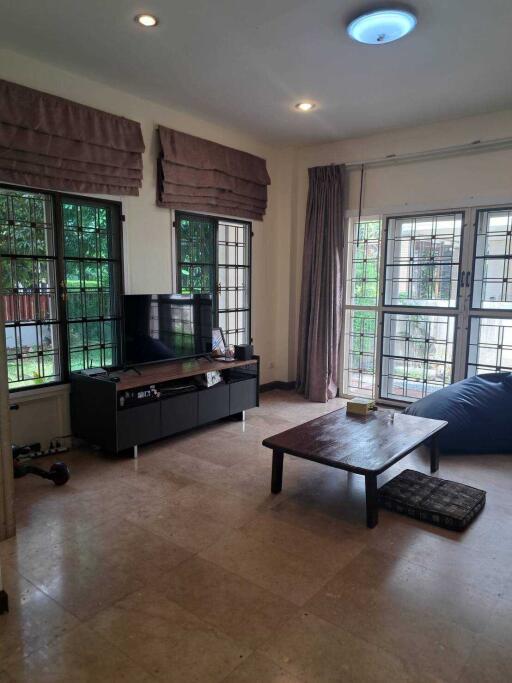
x: 218, y: 342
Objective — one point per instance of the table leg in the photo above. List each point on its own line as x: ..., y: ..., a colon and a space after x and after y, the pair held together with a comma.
x: 372, y: 500
x: 434, y: 455
x: 277, y: 471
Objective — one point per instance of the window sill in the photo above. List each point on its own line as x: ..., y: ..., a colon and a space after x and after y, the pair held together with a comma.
x: 37, y: 393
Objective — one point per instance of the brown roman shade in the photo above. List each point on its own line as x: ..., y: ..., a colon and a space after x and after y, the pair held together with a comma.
x: 52, y: 143
x: 200, y: 175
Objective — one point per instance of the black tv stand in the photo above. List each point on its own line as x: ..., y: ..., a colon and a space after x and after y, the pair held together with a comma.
x: 161, y: 399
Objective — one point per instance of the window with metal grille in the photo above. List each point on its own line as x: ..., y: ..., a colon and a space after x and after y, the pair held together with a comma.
x: 417, y: 354
x: 490, y: 345
x: 92, y: 283
x: 28, y: 282
x: 214, y: 256
x: 422, y: 260
x: 362, y: 296
x: 60, y: 281
x: 492, y: 279
x: 443, y: 310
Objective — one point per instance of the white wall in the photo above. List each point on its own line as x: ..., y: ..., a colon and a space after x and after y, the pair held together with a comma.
x: 147, y: 230
x: 442, y: 183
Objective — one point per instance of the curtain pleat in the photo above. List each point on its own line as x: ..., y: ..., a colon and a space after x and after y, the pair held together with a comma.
x: 321, y: 295
x: 53, y: 143
x: 200, y: 175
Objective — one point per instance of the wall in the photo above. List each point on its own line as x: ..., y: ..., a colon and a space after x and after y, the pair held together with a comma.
x: 277, y: 247
x: 483, y: 178
x: 147, y: 230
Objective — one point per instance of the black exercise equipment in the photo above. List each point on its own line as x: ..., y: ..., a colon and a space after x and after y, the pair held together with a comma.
x: 58, y: 472
x: 21, y: 456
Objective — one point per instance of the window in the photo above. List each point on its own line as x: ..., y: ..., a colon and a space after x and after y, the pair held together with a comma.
x: 443, y: 310
x: 490, y: 345
x: 214, y: 256
x: 422, y: 267
x: 92, y: 267
x: 29, y: 288
x: 422, y: 260
x: 417, y: 354
x: 490, y: 336
x: 60, y: 281
x: 361, y: 307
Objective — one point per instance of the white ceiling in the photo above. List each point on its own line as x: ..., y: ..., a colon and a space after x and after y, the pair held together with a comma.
x: 244, y: 63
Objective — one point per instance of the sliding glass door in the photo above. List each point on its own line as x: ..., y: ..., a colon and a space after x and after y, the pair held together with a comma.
x: 428, y: 301
x: 421, y: 304
x: 490, y: 320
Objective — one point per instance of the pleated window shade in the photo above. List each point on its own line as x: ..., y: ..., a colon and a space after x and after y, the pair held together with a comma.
x: 199, y: 175
x: 52, y: 143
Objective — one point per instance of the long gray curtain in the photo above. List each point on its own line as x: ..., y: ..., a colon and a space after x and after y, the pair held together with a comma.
x: 320, y: 306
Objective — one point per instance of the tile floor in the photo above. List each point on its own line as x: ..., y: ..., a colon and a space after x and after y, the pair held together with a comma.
x: 182, y: 567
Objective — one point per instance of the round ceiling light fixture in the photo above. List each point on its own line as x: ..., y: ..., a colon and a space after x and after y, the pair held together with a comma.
x: 305, y: 106
x: 381, y: 26
x: 146, y: 20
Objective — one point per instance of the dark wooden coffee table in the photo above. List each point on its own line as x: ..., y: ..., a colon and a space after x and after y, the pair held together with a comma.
x: 363, y: 445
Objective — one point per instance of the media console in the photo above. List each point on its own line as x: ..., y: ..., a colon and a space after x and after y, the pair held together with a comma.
x: 162, y: 400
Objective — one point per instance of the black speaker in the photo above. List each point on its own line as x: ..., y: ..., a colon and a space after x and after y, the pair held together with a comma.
x: 243, y: 351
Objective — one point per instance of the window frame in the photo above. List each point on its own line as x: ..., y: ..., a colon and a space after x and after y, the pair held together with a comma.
x: 216, y: 220
x: 57, y: 201
x: 454, y: 312
x: 463, y: 313
x: 386, y: 221
x: 349, y: 307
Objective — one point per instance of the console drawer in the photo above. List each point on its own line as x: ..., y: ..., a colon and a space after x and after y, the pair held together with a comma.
x: 213, y: 403
x: 137, y: 425
x: 243, y: 395
x: 179, y: 413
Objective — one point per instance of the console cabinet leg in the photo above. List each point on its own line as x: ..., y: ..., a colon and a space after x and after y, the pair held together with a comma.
x: 135, y: 452
x: 277, y: 471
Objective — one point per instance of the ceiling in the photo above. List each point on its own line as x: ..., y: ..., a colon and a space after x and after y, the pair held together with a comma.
x: 244, y: 63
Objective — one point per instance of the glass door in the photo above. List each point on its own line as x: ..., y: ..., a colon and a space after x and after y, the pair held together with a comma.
x: 427, y: 301
x: 489, y: 293
x: 421, y: 307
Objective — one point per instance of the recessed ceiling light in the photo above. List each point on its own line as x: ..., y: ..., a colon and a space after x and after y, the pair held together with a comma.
x: 147, y: 20
x: 305, y: 106
x: 381, y: 26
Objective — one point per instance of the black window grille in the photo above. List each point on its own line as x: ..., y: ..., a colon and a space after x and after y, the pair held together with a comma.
x: 92, y: 281
x: 214, y: 256
x: 60, y: 284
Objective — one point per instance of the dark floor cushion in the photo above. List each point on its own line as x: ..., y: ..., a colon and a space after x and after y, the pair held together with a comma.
x: 478, y: 411
x: 438, y: 501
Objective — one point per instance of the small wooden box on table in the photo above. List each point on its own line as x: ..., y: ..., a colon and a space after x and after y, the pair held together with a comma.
x: 366, y: 445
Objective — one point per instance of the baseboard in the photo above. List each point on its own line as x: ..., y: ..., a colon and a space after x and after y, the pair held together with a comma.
x: 270, y: 386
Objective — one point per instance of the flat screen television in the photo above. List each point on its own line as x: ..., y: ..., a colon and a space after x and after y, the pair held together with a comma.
x: 159, y: 327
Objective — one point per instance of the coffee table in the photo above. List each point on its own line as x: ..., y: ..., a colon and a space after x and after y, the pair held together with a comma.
x: 366, y: 445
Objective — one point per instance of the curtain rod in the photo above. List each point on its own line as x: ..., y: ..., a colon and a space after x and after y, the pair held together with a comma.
x: 468, y: 148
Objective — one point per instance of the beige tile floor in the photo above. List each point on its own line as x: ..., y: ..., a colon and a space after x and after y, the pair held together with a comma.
x: 182, y: 567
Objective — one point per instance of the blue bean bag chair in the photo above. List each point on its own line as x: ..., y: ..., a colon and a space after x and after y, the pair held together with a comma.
x: 478, y: 411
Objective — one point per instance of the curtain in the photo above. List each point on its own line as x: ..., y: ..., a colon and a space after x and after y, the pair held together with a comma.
x: 320, y: 305
x: 52, y: 143
x: 200, y: 175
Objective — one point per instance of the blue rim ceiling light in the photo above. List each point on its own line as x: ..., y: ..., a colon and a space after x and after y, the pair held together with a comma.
x: 381, y: 26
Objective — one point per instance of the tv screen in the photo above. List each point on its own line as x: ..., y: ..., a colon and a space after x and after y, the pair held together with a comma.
x: 161, y: 327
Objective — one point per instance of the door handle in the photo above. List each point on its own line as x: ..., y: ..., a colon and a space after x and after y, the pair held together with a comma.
x: 461, y: 283
x: 468, y: 278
